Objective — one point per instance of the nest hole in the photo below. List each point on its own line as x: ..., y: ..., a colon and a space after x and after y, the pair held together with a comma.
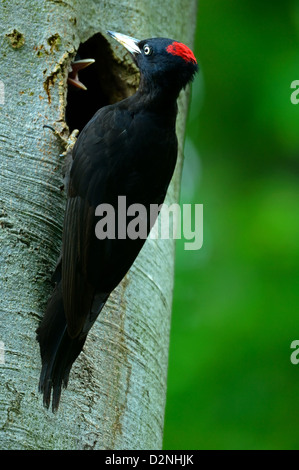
x: 107, y: 81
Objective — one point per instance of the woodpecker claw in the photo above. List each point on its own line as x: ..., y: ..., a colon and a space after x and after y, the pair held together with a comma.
x: 78, y: 65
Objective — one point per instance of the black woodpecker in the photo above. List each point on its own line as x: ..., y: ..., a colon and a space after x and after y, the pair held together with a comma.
x: 127, y: 149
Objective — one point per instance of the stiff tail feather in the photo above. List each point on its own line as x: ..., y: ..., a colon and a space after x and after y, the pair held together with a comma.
x: 58, y: 350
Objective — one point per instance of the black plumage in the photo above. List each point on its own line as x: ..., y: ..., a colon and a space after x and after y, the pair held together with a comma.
x: 127, y: 149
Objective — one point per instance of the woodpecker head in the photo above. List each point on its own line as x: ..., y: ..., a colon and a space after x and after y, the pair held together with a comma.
x: 163, y: 62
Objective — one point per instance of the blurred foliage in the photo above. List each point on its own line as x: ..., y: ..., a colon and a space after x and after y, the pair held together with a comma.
x: 231, y: 384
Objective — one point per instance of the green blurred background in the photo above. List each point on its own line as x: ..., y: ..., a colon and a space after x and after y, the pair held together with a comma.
x: 231, y: 384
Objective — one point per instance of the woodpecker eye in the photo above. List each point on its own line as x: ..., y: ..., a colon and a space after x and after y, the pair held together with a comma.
x: 147, y: 49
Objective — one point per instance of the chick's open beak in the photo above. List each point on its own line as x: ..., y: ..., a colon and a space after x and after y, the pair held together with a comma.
x: 78, y: 65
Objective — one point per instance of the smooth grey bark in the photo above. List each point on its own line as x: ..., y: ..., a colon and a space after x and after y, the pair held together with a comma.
x: 116, y: 394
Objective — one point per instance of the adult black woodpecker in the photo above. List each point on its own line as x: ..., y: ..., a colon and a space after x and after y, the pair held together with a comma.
x: 126, y: 149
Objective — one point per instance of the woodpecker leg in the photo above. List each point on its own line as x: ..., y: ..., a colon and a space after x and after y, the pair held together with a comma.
x: 76, y: 66
x: 68, y: 142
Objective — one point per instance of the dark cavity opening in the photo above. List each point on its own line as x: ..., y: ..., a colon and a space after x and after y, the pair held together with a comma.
x: 107, y: 81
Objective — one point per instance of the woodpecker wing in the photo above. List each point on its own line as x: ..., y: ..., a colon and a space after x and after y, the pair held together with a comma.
x: 89, y: 180
x: 104, y: 168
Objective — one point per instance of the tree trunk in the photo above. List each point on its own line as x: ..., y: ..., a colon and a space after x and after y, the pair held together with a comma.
x: 116, y: 394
